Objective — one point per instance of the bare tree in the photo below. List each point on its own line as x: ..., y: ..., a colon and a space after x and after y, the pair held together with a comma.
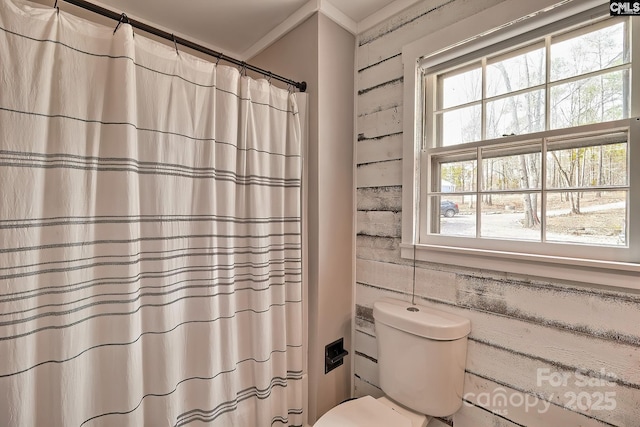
x: 530, y: 215
x: 575, y: 206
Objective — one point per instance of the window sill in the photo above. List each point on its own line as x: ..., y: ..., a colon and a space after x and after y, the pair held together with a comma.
x: 583, y: 271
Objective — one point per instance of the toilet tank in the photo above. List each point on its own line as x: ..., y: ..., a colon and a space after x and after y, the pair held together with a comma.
x: 421, y: 356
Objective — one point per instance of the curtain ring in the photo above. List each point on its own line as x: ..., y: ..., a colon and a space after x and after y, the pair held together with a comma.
x: 55, y: 6
x: 218, y: 59
x: 243, y: 70
x: 269, y: 78
x: 175, y: 43
x: 123, y: 19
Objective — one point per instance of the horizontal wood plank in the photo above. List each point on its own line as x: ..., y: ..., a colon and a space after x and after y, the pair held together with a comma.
x: 382, y: 97
x: 474, y: 416
x: 381, y: 174
x: 366, y: 369
x: 366, y: 344
x: 521, y: 408
x: 379, y: 198
x: 373, y: 75
x: 521, y: 374
x: 387, y: 39
x: 387, y: 27
x: 597, y: 312
x: 378, y: 223
x: 383, y: 249
x: 439, y: 285
x: 363, y: 388
x: 380, y: 124
x: 383, y: 149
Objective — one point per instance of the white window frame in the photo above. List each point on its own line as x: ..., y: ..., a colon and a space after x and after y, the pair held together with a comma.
x: 506, y: 21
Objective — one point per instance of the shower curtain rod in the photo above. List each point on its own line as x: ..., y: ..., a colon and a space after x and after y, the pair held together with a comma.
x: 123, y: 18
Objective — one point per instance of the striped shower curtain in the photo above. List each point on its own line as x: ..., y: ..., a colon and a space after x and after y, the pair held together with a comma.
x: 150, y: 238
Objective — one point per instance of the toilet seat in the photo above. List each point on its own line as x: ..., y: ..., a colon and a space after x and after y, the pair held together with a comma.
x: 363, y: 412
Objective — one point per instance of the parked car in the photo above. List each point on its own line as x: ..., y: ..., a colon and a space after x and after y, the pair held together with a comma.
x: 448, y: 208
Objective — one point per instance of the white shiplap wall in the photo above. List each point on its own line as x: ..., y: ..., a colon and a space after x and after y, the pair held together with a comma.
x: 519, y: 324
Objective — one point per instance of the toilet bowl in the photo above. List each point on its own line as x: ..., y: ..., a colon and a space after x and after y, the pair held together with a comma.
x: 369, y: 412
x: 421, y: 361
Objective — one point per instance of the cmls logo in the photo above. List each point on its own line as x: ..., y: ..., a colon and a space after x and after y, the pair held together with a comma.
x: 624, y: 8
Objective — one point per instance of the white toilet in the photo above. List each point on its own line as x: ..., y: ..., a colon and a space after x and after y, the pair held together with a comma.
x: 421, y: 359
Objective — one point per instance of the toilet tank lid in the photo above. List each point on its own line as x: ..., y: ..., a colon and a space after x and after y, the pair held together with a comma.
x: 425, y: 322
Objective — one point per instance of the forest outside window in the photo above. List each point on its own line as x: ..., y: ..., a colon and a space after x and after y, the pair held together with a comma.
x: 533, y: 141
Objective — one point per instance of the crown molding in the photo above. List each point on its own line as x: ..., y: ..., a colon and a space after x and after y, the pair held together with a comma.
x: 299, y: 16
x: 331, y: 12
x: 287, y: 25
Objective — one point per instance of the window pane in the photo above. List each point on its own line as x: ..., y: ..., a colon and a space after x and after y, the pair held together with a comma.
x: 455, y: 215
x: 596, y: 218
x: 460, y: 88
x: 516, y: 72
x: 457, y: 176
x: 588, y: 166
x: 460, y: 126
x: 595, y: 50
x: 516, y: 115
x: 593, y: 100
x: 513, y: 172
x: 511, y: 216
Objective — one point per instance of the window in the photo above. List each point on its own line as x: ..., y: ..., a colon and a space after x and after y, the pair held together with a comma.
x: 525, y: 141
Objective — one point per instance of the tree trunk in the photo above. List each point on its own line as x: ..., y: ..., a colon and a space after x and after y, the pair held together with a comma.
x: 575, y: 208
x: 530, y: 215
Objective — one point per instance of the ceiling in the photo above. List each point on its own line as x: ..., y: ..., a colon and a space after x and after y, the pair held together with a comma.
x: 242, y: 28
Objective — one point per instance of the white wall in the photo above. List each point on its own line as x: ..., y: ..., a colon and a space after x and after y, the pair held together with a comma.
x: 322, y: 53
x: 519, y: 323
x: 335, y: 205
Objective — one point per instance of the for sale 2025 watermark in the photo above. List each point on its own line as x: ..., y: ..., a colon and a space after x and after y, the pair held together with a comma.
x: 624, y: 8
x: 580, y: 391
